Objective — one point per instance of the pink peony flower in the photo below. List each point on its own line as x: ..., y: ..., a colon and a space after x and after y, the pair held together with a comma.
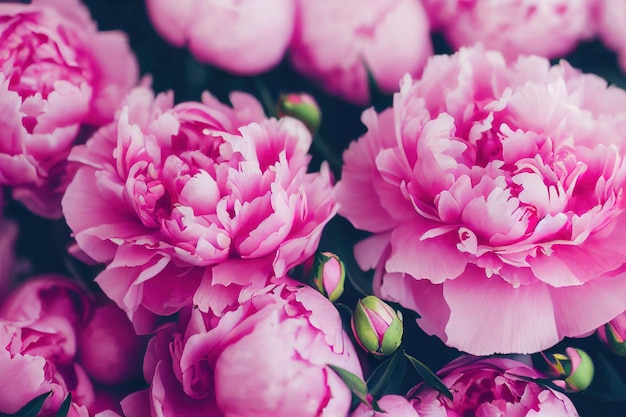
x: 335, y: 41
x: 266, y: 358
x: 610, y: 19
x: 490, y: 387
x: 39, y: 325
x: 192, y: 203
x: 496, y: 195
x: 391, y: 405
x: 56, y: 73
x: 549, y: 28
x: 241, y: 37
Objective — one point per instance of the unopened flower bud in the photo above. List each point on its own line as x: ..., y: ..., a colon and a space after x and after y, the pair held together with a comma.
x: 302, y: 107
x: 614, y: 334
x: 572, y: 371
x: 109, y: 349
x: 329, y: 275
x: 377, y: 327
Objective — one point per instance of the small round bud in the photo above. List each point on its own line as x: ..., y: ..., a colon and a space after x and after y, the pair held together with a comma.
x: 302, y: 107
x: 572, y: 371
x: 614, y: 334
x: 329, y: 275
x: 377, y: 327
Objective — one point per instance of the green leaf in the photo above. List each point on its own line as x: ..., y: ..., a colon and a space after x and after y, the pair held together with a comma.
x: 65, y: 407
x: 356, y: 384
x: 387, y: 377
x: 33, y: 407
x: 429, y: 377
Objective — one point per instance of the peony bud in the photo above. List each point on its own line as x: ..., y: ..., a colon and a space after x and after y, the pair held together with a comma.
x: 572, y: 371
x: 302, y: 107
x: 614, y: 334
x: 376, y: 326
x: 109, y: 349
x: 329, y: 275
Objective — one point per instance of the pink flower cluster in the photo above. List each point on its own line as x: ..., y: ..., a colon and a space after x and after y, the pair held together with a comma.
x: 333, y: 43
x: 45, y: 334
x: 497, y: 203
x: 190, y: 204
x: 57, y: 73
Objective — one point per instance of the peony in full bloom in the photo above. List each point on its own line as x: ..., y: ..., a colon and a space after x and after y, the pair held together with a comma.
x: 495, y: 194
x: 194, y: 202
x: 57, y: 72
x: 490, y: 387
x: 267, y: 357
x: 550, y: 28
x: 610, y: 18
x: 335, y: 41
x: 243, y: 37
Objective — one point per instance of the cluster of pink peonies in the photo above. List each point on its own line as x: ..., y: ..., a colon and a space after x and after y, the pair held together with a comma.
x: 333, y: 43
x: 48, y: 344
x: 493, y: 190
x: 57, y: 74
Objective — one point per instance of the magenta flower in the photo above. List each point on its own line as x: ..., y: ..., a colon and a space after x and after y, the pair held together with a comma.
x: 335, y: 41
x: 267, y: 357
x: 550, y: 28
x: 56, y: 73
x: 190, y: 204
x: 242, y: 37
x: 496, y: 195
x: 490, y: 387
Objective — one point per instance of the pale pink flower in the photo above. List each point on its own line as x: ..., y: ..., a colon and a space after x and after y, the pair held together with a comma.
x: 268, y: 357
x: 335, y: 41
x: 246, y: 37
x: 490, y: 387
x: 550, y: 28
x: 610, y: 19
x: 193, y: 202
x: 56, y: 73
x: 496, y: 195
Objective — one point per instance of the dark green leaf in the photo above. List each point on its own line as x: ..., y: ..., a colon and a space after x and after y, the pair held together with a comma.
x: 32, y: 408
x: 356, y: 384
x: 429, y: 376
x: 388, y: 376
x: 65, y: 407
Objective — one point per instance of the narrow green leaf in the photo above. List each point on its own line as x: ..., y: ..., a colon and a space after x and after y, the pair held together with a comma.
x: 65, y: 407
x: 429, y: 376
x: 356, y: 384
x: 33, y: 407
x: 388, y: 376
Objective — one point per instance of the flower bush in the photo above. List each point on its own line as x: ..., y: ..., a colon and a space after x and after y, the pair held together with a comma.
x: 181, y: 257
